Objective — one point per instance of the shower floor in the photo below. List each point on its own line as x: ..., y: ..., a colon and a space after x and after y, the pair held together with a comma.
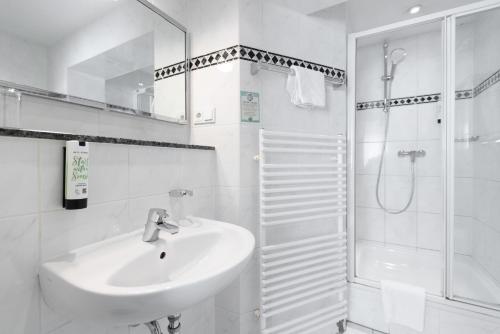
x: 376, y: 261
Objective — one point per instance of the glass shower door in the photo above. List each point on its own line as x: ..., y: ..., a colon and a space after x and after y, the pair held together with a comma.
x: 476, y: 230
x: 399, y: 157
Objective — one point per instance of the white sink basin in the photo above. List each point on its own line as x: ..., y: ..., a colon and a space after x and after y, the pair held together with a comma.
x: 124, y: 280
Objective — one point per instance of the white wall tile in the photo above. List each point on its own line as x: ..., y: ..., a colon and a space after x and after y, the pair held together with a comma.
x: 51, y: 174
x: 368, y: 157
x: 19, y: 258
x: 249, y: 324
x: 108, y: 173
x: 370, y: 125
x: 429, y: 63
x: 64, y: 230
x: 429, y: 195
x: 464, y: 196
x: 403, y: 123
x: 226, y: 139
x: 19, y: 177
x: 430, y: 229
x: 398, y: 190
x: 366, y: 188
x: 250, y: 285
x: 465, y: 235
x: 431, y: 164
x: 370, y: 224
x: 464, y: 160
x: 197, y: 168
x: 153, y: 170
x: 215, y: 89
x: 428, y: 126
x: 401, y: 229
x: 226, y: 322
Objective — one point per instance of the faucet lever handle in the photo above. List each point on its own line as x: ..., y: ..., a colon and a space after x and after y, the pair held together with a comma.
x: 157, y: 215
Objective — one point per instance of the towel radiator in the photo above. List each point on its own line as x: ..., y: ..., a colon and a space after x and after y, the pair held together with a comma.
x: 303, y: 253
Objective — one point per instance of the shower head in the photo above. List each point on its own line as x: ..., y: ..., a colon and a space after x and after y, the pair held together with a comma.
x: 397, y: 56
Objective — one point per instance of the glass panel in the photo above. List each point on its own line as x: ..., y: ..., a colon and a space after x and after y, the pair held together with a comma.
x: 399, y: 232
x: 476, y: 260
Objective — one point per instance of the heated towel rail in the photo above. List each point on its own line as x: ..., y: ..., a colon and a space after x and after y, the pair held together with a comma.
x: 303, y: 252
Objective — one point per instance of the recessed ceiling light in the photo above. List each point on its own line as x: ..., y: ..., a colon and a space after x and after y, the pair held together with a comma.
x: 415, y: 9
x: 140, y: 84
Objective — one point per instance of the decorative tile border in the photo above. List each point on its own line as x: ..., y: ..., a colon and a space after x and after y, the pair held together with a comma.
x: 464, y: 94
x: 401, y: 101
x: 245, y: 53
x: 214, y: 58
x: 493, y: 79
x: 170, y: 71
x: 268, y: 57
x: 459, y: 95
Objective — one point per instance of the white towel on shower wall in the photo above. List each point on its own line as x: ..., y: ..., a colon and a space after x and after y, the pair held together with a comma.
x: 306, y: 88
x: 404, y: 304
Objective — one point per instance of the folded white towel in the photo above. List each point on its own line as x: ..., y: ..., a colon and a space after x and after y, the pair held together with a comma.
x: 306, y: 88
x: 404, y: 304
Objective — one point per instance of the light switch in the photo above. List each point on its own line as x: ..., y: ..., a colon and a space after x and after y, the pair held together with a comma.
x: 204, y: 116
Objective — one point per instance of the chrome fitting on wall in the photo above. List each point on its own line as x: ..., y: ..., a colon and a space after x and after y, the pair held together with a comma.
x: 178, y: 193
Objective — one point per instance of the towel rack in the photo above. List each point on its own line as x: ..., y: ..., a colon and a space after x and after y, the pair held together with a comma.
x: 303, y: 253
x: 256, y: 67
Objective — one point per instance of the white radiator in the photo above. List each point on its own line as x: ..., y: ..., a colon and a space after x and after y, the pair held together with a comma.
x: 303, y: 252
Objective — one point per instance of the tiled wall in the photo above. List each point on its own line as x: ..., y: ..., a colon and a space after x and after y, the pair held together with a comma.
x: 262, y: 25
x: 125, y: 181
x: 413, y: 126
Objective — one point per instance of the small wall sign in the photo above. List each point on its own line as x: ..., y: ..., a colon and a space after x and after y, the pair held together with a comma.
x: 250, y: 107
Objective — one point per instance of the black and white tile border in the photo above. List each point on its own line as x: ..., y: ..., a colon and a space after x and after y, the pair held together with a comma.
x: 170, y: 71
x: 256, y: 55
x: 459, y: 95
x: 464, y: 94
x: 401, y: 101
x: 249, y: 54
x: 492, y: 79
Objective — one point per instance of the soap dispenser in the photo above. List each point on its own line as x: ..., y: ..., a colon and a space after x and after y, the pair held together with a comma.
x: 76, y: 175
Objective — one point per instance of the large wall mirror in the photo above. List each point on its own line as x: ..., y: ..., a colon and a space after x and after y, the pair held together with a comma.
x: 121, y: 55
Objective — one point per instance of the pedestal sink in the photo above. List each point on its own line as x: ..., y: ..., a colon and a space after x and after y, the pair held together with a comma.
x: 125, y: 281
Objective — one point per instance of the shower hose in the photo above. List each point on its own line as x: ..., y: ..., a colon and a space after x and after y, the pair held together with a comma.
x: 381, y: 163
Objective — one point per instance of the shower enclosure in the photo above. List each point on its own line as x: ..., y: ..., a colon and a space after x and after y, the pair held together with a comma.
x: 424, y: 154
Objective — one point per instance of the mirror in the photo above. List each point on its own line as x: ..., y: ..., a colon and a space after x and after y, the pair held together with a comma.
x: 121, y: 55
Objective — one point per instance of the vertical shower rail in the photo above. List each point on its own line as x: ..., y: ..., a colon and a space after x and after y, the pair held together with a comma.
x: 303, y: 253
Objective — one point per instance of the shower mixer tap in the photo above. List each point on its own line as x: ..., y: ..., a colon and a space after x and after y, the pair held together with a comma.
x: 412, y: 154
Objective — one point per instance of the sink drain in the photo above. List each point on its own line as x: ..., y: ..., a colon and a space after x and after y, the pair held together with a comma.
x: 162, y: 255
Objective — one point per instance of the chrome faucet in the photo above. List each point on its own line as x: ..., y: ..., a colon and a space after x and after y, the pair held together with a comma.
x: 178, y: 193
x: 412, y: 154
x: 158, y: 219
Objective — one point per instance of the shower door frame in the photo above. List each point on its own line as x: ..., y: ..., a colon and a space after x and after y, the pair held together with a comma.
x: 448, y: 31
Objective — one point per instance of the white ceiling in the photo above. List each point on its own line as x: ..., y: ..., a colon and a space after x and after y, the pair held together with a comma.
x: 308, y: 6
x: 47, y: 21
x: 366, y: 14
